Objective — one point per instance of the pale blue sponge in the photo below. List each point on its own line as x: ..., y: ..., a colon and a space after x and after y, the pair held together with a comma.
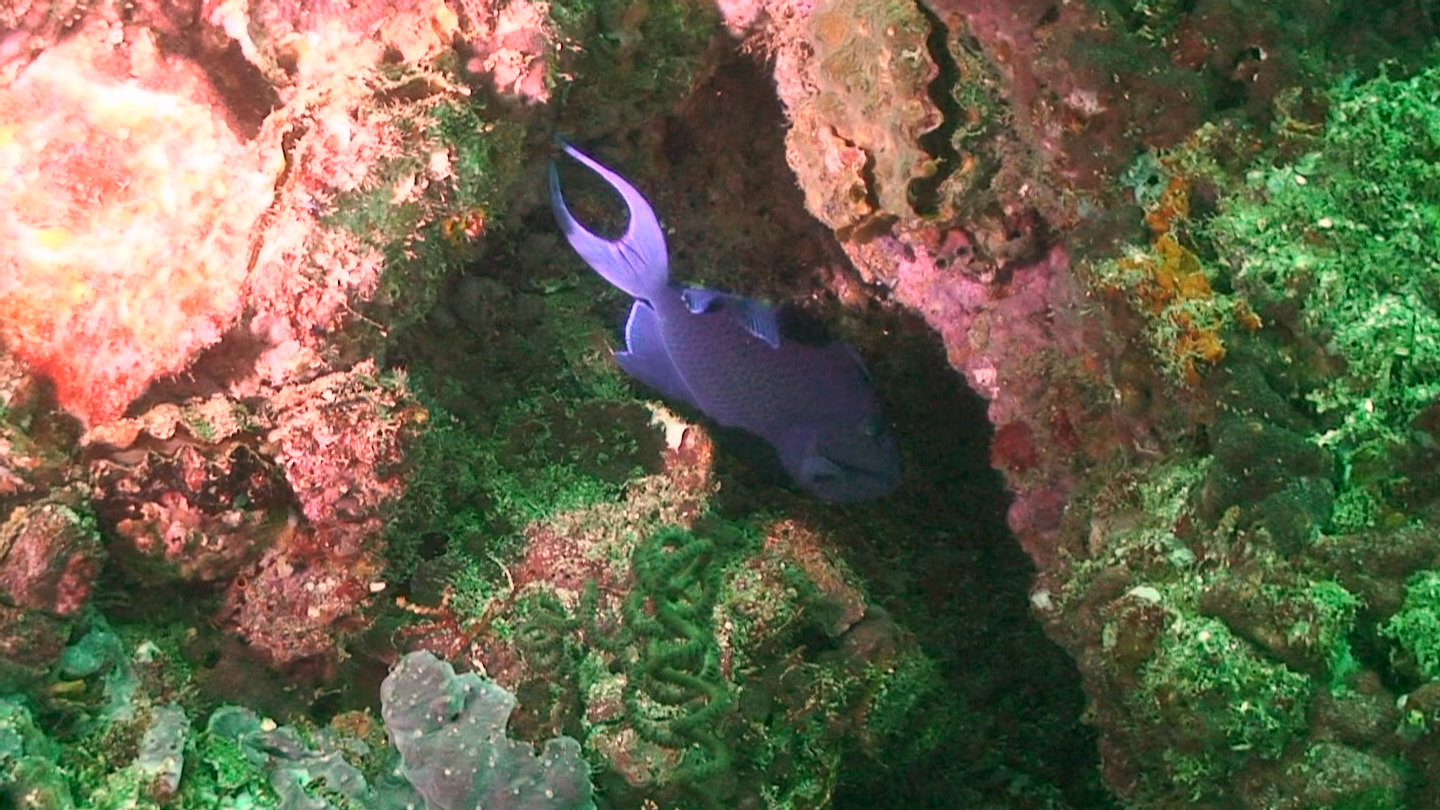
x: 450, y: 731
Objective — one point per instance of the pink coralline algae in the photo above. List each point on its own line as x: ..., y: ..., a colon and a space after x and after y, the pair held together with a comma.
x: 340, y: 440
x: 49, y: 556
x: 169, y: 179
x: 128, y: 210
x: 29, y: 643
x: 513, y: 49
x: 163, y: 172
x: 988, y: 317
x: 189, y: 509
x: 302, y: 601
x: 280, y: 505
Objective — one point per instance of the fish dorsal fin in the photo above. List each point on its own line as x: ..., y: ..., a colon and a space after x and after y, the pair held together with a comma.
x: 760, y: 320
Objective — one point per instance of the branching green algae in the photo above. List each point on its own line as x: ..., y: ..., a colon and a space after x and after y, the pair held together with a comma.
x: 1243, y: 591
x: 1343, y: 247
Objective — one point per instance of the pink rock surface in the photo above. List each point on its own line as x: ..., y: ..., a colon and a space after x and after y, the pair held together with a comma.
x: 49, y: 556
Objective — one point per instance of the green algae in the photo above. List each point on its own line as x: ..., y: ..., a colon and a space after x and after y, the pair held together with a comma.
x: 1226, y: 663
x: 1415, y: 628
x: 427, y: 225
x: 531, y: 420
x: 1342, y: 245
x: 1213, y: 688
x: 675, y: 694
x: 625, y: 62
x: 1228, y: 610
x: 1328, y: 629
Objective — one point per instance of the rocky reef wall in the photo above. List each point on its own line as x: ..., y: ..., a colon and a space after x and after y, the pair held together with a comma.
x: 297, y: 379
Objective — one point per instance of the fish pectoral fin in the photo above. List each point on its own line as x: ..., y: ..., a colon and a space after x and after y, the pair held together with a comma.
x: 636, y: 262
x: 760, y: 320
x: 699, y: 301
x: 858, y: 360
x: 815, y: 468
x: 646, y: 359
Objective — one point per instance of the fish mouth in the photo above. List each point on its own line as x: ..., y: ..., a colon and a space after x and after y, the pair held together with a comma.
x: 876, y: 481
x: 876, y: 473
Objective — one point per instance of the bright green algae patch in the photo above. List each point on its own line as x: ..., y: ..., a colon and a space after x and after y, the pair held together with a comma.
x: 1238, y: 636
x: 1343, y: 246
x: 1416, y: 627
x: 1205, y: 680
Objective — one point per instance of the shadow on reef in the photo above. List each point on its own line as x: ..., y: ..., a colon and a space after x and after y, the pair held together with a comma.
x: 938, y: 555
x: 1002, y: 727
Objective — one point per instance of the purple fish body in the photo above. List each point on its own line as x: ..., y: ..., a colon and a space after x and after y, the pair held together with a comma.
x: 725, y: 356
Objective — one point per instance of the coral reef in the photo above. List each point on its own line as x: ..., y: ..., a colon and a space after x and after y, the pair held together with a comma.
x: 298, y: 385
x: 1251, y: 590
x: 50, y: 555
x: 870, y: 73
x: 216, y: 215
x: 232, y: 134
x: 1179, y: 410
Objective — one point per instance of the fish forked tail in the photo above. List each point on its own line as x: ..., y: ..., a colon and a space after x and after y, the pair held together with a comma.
x: 636, y: 262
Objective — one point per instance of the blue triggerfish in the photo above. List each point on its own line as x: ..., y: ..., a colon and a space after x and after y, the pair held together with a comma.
x: 726, y: 356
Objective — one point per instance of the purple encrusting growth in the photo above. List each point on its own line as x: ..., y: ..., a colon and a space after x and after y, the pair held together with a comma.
x: 450, y: 732
x: 725, y: 355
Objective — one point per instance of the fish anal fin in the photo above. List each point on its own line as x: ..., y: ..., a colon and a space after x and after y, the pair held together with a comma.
x: 645, y: 357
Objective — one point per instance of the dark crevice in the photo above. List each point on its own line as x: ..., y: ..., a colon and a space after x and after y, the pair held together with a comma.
x: 247, y: 95
x: 924, y: 192
x: 960, y: 584
x: 1231, y: 94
